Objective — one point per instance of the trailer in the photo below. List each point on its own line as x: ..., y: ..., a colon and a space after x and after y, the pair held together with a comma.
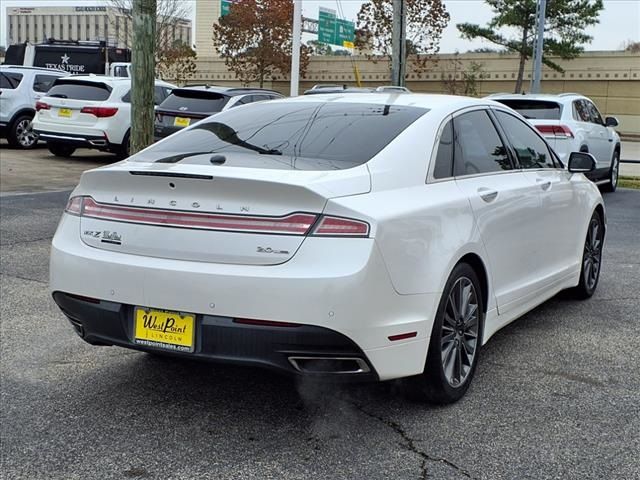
x: 75, y: 57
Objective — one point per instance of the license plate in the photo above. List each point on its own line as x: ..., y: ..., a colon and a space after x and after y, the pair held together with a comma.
x: 64, y: 112
x: 181, y: 122
x: 164, y: 329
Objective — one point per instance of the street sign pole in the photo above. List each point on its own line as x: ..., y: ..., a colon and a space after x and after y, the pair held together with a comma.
x: 295, y: 47
x: 537, y: 54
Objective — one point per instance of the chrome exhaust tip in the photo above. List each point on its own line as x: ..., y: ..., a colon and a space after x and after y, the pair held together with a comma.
x: 330, y: 365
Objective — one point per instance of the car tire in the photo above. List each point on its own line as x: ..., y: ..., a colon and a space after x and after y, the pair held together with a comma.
x: 21, y: 135
x: 591, y: 259
x: 124, y: 151
x: 61, y: 149
x: 449, y: 368
x: 612, y: 184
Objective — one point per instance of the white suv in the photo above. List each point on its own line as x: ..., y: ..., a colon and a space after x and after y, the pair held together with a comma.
x: 572, y: 123
x: 91, y: 112
x: 20, y: 89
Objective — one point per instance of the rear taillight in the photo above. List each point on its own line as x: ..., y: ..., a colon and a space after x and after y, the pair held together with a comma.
x: 340, y: 227
x: 100, y: 112
x: 74, y: 206
x: 42, y: 106
x: 557, y: 130
x: 293, y: 224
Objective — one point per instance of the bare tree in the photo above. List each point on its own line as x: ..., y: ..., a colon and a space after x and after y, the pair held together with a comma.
x: 169, y: 14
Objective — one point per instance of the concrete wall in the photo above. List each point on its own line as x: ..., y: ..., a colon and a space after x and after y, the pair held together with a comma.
x: 611, y: 79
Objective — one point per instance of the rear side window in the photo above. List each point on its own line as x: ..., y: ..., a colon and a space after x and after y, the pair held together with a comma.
x: 195, y: 101
x: 531, y: 150
x: 290, y: 135
x: 538, y: 109
x: 444, y: 158
x: 594, y: 114
x: 79, y: 90
x: 43, y: 83
x: 477, y: 145
x: 580, y: 111
x: 10, y: 80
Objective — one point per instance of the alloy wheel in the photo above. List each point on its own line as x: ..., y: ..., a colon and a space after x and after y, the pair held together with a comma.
x: 592, y: 254
x: 25, y: 134
x: 460, y: 328
x: 614, y: 171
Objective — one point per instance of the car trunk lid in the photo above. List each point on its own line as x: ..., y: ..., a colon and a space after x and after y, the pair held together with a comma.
x: 236, y: 215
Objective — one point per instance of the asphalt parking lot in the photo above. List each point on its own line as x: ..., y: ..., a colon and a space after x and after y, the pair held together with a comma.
x: 556, y: 394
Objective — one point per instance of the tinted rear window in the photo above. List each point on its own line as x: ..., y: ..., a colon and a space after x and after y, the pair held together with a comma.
x: 10, y: 80
x: 538, y: 109
x: 195, y: 101
x: 78, y: 90
x: 298, y: 135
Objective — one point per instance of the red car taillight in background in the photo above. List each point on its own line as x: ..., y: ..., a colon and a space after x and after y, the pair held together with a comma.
x: 561, y: 131
x: 292, y: 224
x: 42, y: 106
x: 100, y: 112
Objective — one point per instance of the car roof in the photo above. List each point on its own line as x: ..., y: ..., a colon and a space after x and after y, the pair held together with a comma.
x: 111, y: 80
x: 230, y: 91
x: 535, y: 96
x: 34, y: 69
x: 421, y: 100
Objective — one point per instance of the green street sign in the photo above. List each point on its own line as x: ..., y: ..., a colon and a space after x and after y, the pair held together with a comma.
x: 333, y: 30
x: 225, y: 5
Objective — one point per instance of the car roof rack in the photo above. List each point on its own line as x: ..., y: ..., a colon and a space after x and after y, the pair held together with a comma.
x: 392, y: 88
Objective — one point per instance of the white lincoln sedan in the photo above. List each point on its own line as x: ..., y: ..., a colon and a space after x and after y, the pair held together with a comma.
x: 352, y: 236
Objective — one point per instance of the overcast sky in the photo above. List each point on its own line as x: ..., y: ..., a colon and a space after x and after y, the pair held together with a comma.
x: 619, y: 21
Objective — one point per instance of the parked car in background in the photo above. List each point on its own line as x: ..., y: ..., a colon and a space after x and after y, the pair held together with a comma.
x: 353, y: 236
x: 572, y: 123
x: 189, y: 104
x: 20, y: 89
x: 90, y: 112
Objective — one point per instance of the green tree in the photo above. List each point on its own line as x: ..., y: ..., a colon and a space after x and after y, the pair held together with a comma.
x: 319, y: 48
x: 564, y: 33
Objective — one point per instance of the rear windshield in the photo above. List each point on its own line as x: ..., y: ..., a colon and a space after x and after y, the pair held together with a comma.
x: 195, y: 101
x: 291, y: 135
x: 79, y: 90
x: 10, y: 80
x: 534, y: 109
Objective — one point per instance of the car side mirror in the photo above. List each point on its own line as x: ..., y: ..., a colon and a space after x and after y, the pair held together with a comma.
x: 611, y: 122
x: 581, y: 162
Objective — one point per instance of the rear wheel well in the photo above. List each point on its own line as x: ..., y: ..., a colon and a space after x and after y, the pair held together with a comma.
x: 25, y: 111
x: 600, y: 210
x: 475, y: 262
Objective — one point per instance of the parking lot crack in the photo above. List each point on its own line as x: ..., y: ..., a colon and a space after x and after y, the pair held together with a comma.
x: 35, y: 240
x: 410, y: 444
x: 24, y: 278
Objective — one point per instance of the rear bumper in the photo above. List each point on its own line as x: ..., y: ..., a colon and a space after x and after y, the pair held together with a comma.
x: 77, y: 140
x: 337, y: 289
x: 220, y: 339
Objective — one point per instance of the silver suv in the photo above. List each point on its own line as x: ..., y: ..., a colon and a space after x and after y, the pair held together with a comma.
x: 20, y: 89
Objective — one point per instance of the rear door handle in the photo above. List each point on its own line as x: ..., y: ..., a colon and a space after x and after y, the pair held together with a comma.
x: 487, y: 194
x: 544, y: 184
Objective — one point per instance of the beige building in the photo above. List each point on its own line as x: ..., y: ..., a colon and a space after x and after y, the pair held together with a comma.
x: 207, y: 13
x: 93, y: 23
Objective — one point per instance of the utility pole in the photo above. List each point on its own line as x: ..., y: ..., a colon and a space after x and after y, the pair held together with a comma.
x: 295, y: 47
x: 143, y: 77
x: 539, y: 47
x: 398, y: 44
